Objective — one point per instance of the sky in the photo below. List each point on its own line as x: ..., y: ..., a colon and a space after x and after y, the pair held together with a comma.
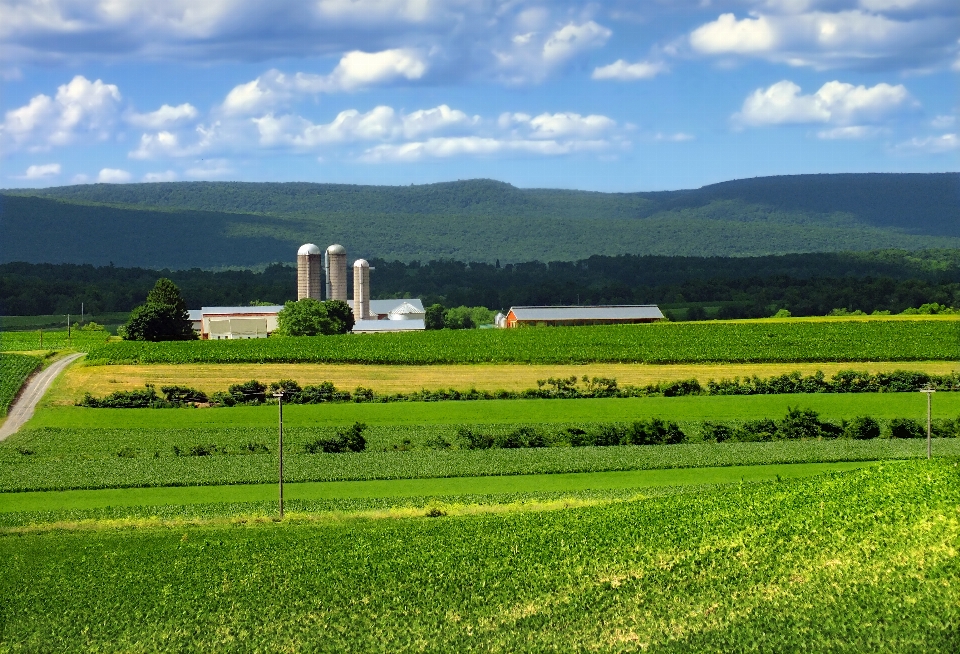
x: 608, y: 95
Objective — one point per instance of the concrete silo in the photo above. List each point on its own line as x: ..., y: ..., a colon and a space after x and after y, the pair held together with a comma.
x: 308, y: 272
x: 361, y: 290
x: 335, y: 266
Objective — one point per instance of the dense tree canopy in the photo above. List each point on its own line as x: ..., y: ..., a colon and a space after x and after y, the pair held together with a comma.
x: 163, y: 317
x: 309, y: 317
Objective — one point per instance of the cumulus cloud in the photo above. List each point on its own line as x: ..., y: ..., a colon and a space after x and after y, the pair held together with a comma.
x: 834, y: 103
x: 531, y: 56
x: 356, y: 70
x: 850, y: 132
x: 80, y: 108
x: 41, y: 171
x: 444, y: 148
x: 113, y: 176
x: 941, y: 144
x: 559, y: 125
x: 161, y: 144
x: 165, y: 176
x: 624, y: 71
x: 164, y: 116
x: 824, y: 40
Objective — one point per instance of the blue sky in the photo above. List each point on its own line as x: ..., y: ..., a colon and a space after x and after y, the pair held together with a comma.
x: 608, y: 95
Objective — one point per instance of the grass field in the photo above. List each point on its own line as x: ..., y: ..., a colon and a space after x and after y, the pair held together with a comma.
x: 689, y: 408
x: 744, y: 342
x: 51, y: 340
x: 858, y: 561
x: 455, y: 486
x: 386, y: 379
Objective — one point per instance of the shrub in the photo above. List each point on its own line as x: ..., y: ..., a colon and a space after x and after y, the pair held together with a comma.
x: 251, y: 392
x: 907, y: 428
x: 222, y: 398
x: 473, y: 440
x: 654, y: 432
x: 124, y: 399
x: 349, y: 440
x: 716, y: 432
x: 862, y: 428
x: 681, y: 387
x: 756, y: 431
x: 606, y: 435
x: 291, y: 389
x: 800, y: 423
x: 577, y: 437
x: 182, y: 394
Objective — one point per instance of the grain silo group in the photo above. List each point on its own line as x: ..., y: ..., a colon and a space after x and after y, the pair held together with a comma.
x: 370, y: 316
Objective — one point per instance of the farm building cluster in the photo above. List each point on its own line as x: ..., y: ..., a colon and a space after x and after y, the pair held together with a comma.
x: 324, y: 277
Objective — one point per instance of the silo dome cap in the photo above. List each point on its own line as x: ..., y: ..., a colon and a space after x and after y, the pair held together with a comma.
x: 308, y: 248
x: 336, y: 248
x: 361, y: 263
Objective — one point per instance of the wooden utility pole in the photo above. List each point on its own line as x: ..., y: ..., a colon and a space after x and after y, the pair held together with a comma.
x: 929, y: 392
x: 279, y: 397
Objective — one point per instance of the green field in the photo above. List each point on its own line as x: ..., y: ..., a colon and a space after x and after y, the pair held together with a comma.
x: 858, y: 561
x: 688, y: 408
x: 14, y: 370
x: 432, y: 487
x: 755, y: 341
x: 51, y: 340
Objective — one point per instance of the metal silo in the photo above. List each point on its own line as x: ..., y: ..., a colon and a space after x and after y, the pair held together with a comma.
x: 335, y: 264
x: 308, y: 272
x: 361, y: 290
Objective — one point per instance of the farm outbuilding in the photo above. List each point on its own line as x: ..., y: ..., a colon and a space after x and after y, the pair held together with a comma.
x: 569, y: 316
x: 218, y: 323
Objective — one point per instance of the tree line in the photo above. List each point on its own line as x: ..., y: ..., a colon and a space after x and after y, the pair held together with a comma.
x: 803, y: 284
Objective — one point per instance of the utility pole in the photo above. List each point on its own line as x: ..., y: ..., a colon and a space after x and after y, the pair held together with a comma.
x: 929, y: 392
x: 279, y: 396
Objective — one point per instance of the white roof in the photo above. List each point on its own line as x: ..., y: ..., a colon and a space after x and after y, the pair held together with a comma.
x: 378, y: 307
x: 379, y: 326
x: 336, y: 248
x: 235, y: 311
x: 308, y: 248
x: 361, y: 263
x: 612, y: 312
x: 195, y: 314
x: 406, y: 309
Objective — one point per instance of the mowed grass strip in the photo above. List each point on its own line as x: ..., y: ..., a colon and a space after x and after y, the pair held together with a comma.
x: 860, y: 561
x: 689, y: 408
x: 91, y: 499
x: 386, y: 379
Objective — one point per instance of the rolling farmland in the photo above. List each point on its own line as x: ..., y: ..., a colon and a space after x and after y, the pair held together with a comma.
x: 792, y: 565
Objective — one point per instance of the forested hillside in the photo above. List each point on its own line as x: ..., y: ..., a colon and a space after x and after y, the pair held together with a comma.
x: 221, y: 224
x: 806, y: 284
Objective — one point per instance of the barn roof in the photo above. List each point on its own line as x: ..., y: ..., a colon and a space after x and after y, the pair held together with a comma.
x: 239, y: 311
x: 609, y: 312
x: 378, y: 307
x: 367, y: 326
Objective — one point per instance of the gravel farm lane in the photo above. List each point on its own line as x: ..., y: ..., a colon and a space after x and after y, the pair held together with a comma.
x: 22, y: 408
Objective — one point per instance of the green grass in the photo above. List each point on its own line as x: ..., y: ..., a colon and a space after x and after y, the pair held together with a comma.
x: 690, y: 408
x: 857, y: 561
x: 763, y: 341
x: 14, y: 370
x: 570, y: 482
x: 52, y: 340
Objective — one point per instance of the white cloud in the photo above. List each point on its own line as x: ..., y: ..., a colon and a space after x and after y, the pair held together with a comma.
x: 356, y: 70
x: 444, y: 148
x: 834, y: 103
x: 532, y: 56
x: 572, y: 39
x: 161, y: 144
x: 165, y: 176
x: 931, y: 145
x: 676, y: 137
x: 165, y: 116
x: 80, y: 178
x: 561, y: 125
x: 943, y: 122
x: 80, y: 107
x: 436, y: 119
x: 850, y: 132
x: 113, y: 176
x: 210, y: 169
x: 41, y: 171
x: 829, y: 39
x: 624, y: 71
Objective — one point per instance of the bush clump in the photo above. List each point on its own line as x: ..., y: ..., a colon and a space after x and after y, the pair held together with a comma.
x: 346, y: 440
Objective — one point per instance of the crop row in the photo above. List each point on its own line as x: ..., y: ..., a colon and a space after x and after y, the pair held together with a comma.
x: 796, y: 341
x: 48, y: 459
x: 864, y: 558
x: 51, y: 340
x: 14, y: 370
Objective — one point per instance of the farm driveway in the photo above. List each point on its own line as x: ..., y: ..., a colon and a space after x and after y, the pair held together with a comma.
x: 22, y: 408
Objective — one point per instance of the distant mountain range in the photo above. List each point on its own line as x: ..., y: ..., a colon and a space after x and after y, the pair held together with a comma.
x: 182, y: 225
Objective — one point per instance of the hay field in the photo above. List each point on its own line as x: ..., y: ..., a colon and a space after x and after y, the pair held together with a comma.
x: 100, y: 380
